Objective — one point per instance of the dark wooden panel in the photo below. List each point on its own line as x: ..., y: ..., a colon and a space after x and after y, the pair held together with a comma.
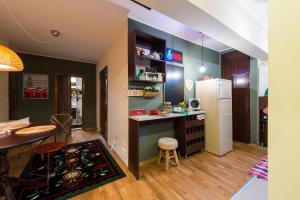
x: 241, y: 114
x: 174, y: 88
x: 235, y: 66
x: 263, y: 102
x: 242, y: 63
x: 103, y: 76
x: 63, y: 94
x: 228, y: 63
x: 180, y: 135
x: 133, y: 148
x: 12, y: 98
x: 131, y: 55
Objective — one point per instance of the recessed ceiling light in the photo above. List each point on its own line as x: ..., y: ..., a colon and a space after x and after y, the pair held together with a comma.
x: 55, y: 33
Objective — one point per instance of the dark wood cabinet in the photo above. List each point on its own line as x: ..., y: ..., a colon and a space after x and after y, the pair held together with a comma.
x: 138, y: 39
x: 235, y: 66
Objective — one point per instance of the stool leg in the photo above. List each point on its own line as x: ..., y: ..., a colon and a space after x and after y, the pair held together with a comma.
x: 167, y: 159
x: 159, y: 156
x: 175, y: 156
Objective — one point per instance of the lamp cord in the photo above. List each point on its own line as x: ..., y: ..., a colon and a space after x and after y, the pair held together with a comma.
x: 202, y: 47
x: 22, y: 27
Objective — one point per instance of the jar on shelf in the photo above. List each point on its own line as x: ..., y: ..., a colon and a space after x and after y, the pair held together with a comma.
x: 167, y: 106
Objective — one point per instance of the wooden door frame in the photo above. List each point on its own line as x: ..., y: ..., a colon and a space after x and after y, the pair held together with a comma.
x: 12, y: 95
x: 100, y: 94
x: 83, y: 94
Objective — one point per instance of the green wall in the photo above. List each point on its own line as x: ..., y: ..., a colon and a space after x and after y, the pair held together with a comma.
x: 192, y: 60
x: 254, y: 110
x: 40, y: 110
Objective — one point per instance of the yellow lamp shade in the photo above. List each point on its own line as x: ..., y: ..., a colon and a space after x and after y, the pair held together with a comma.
x: 9, y: 60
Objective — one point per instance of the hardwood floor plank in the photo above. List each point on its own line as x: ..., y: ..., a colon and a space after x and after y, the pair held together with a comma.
x: 200, y: 176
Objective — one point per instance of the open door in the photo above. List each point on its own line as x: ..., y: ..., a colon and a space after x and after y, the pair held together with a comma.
x: 103, y: 102
x: 63, y: 91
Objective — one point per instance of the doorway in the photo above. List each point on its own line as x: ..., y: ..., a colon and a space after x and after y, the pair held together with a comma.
x: 103, y: 77
x: 69, y: 98
x: 76, y: 101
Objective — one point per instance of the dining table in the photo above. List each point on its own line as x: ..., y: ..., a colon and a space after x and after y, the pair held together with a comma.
x: 11, y: 141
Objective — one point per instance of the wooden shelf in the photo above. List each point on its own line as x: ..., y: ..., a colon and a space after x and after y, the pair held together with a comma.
x: 144, y: 82
x: 151, y: 94
x: 151, y: 43
x: 147, y: 58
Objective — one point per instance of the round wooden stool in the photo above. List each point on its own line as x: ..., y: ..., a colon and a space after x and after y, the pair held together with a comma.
x: 168, y: 148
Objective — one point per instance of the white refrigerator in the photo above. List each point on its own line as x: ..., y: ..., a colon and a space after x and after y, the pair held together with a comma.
x: 216, y: 100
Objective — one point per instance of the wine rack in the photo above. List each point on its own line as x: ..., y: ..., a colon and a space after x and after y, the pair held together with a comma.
x: 191, y: 135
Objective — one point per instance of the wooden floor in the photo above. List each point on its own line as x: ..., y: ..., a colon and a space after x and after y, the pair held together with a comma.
x: 200, y: 176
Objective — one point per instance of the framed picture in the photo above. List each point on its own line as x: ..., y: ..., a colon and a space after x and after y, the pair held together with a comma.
x: 35, y: 86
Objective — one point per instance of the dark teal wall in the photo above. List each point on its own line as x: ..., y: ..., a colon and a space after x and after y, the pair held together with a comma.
x: 40, y: 110
x: 254, y: 110
x: 192, y: 60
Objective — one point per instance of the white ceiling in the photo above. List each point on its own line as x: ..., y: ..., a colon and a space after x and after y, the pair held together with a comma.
x: 169, y: 25
x: 226, y: 21
x: 87, y: 27
x: 258, y: 9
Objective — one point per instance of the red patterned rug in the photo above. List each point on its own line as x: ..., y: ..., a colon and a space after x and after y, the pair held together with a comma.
x: 261, y: 169
x: 76, y: 169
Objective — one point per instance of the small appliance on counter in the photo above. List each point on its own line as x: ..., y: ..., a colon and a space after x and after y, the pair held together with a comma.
x: 177, y: 109
x: 194, y: 104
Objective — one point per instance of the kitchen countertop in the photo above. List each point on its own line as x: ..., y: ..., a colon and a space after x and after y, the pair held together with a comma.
x: 171, y: 115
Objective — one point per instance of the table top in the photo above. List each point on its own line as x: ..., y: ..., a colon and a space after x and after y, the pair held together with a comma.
x: 157, y: 117
x: 13, y: 140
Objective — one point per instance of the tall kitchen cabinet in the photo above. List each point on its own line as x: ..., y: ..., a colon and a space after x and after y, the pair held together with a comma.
x: 235, y: 66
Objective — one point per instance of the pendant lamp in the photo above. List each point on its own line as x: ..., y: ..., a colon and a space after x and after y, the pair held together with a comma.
x: 9, y: 60
x: 202, y: 68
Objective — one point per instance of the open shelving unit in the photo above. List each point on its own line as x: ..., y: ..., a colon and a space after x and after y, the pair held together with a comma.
x: 151, y: 44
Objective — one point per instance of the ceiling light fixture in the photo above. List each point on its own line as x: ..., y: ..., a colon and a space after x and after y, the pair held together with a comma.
x: 202, y: 68
x: 9, y: 60
x: 55, y: 33
x: 24, y: 29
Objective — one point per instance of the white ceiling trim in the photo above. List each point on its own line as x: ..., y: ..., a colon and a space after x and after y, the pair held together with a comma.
x: 164, y: 23
x: 222, y: 20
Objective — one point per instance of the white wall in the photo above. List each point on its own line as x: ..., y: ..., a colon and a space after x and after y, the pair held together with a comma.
x: 263, y: 77
x: 116, y: 59
x: 4, y: 103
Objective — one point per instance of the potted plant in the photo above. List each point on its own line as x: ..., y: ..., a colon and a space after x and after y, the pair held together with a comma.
x: 151, y: 91
x: 183, y: 106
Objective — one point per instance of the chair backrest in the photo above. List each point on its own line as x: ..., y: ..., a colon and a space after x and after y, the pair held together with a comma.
x: 63, y: 123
